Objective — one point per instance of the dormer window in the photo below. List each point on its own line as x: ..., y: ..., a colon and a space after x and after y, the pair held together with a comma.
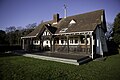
x: 64, y: 30
x: 72, y: 22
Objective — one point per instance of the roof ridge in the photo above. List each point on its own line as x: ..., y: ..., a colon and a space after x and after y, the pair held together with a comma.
x: 86, y: 13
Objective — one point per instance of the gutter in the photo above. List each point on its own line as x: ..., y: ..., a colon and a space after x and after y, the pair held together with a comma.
x: 28, y: 37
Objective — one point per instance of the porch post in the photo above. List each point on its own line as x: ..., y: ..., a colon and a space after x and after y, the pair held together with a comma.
x: 86, y: 43
x: 79, y: 43
x: 41, y: 44
x: 92, y: 43
x: 67, y: 43
x: 28, y: 44
x: 31, y: 44
x: 53, y: 47
x: 51, y: 44
x: 23, y: 44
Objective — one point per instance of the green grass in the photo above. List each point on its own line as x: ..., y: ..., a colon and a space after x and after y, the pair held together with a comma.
x: 14, y: 67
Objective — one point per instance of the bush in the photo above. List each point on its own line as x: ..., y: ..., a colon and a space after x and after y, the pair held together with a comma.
x: 4, y: 48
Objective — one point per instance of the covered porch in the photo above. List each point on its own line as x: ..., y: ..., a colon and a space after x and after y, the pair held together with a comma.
x: 73, y: 43
x: 70, y: 43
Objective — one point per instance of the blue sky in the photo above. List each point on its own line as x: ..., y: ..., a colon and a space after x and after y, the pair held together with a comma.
x: 23, y: 12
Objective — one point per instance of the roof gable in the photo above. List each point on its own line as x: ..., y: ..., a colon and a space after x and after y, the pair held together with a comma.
x: 46, y: 33
x: 51, y: 29
x: 39, y: 30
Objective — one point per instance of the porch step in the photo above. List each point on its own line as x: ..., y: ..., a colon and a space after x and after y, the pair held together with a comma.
x: 82, y: 60
x: 69, y: 61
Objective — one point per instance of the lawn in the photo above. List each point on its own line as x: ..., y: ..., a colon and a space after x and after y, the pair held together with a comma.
x: 13, y: 67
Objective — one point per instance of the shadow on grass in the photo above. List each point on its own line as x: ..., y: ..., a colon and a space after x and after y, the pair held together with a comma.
x: 112, y: 48
x: 8, y: 50
x: 5, y: 47
x: 7, y: 54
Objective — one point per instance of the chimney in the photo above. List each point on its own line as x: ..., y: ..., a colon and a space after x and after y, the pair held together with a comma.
x: 65, y: 11
x: 55, y: 18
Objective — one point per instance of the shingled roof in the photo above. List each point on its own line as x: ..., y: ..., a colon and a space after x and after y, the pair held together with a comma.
x: 83, y: 22
x: 38, y: 30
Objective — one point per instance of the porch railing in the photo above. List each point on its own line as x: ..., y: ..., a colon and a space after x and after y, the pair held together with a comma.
x: 73, y: 48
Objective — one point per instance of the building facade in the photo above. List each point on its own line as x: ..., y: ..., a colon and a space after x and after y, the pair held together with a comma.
x: 81, y: 34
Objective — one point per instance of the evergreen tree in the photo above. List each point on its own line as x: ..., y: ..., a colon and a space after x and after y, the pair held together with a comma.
x: 3, y: 37
x: 116, y: 29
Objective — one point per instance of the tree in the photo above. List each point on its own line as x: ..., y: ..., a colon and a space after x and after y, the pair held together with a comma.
x: 31, y: 26
x: 3, y: 37
x: 116, y: 29
x: 11, y: 33
x: 109, y: 30
x: 15, y: 33
x: 10, y: 29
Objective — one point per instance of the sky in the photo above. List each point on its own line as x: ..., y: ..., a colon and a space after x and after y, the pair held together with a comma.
x: 23, y: 12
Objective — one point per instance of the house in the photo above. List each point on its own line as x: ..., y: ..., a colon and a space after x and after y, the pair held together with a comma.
x: 81, y: 34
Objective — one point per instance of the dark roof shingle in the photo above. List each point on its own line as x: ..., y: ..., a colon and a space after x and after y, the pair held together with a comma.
x: 39, y: 28
x: 84, y: 22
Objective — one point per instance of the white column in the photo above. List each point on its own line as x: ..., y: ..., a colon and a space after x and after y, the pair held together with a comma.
x: 92, y: 46
x: 86, y: 44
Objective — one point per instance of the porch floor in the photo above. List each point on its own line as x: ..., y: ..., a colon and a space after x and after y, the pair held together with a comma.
x: 70, y: 58
x: 74, y: 56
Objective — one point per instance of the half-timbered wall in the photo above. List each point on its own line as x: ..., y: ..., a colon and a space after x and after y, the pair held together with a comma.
x: 46, y: 41
x: 46, y: 33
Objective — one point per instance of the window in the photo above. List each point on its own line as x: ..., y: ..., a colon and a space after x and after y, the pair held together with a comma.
x: 82, y: 40
x: 57, y: 41
x: 62, y: 41
x: 76, y: 41
x: 36, y: 41
x: 46, y: 42
x: 46, y: 32
x: 72, y: 22
x: 63, y: 30
x: 71, y: 41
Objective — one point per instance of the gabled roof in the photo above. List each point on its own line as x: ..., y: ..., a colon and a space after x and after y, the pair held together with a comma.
x: 84, y: 22
x: 51, y: 29
x: 38, y: 30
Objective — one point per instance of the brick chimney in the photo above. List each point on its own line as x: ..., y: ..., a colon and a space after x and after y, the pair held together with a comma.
x: 55, y: 18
